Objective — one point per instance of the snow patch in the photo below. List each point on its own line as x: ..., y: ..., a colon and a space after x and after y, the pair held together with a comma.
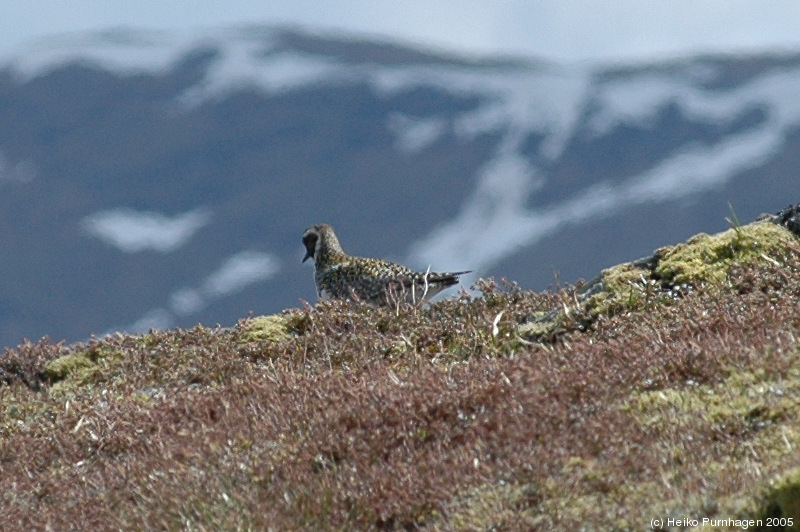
x: 119, y: 50
x: 700, y: 168
x: 414, y: 134
x: 236, y: 273
x: 520, y: 99
x: 133, y: 231
x: 158, y: 318
x: 239, y: 271
x: 637, y: 101
x: 244, y: 64
x: 187, y: 301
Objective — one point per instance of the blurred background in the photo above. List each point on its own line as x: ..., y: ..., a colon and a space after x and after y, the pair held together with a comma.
x: 159, y: 161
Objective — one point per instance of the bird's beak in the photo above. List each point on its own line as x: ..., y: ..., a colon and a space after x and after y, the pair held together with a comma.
x: 308, y: 256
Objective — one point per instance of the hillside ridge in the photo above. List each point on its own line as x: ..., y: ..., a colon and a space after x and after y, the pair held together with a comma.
x: 660, y: 394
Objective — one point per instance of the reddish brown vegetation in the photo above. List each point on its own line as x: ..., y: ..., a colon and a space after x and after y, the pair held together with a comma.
x: 368, y: 418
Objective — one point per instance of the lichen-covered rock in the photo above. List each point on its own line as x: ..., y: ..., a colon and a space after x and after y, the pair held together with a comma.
x: 669, y: 273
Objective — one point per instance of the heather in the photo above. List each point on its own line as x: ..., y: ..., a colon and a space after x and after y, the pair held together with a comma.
x: 668, y: 387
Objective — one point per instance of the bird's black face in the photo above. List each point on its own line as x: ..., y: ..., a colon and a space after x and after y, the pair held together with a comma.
x: 310, y: 242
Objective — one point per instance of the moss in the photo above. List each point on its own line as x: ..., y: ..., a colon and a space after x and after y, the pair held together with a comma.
x: 624, y: 286
x: 783, y: 500
x: 742, y: 401
x: 708, y: 258
x: 60, y: 368
x: 546, y: 325
x: 273, y: 328
x: 703, y: 259
x: 494, y: 507
x: 649, y: 283
x: 757, y: 408
x: 84, y: 368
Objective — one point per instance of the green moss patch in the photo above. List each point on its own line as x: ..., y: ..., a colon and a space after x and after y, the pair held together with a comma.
x: 89, y: 366
x: 709, y: 258
x: 754, y: 409
x: 265, y: 328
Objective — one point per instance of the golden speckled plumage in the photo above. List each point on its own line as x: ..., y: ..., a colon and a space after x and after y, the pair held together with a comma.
x: 341, y: 276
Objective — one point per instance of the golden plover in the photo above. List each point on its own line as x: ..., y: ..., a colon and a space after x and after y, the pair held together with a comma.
x: 340, y: 276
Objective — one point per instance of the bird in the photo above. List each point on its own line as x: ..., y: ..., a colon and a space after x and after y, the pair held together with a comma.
x: 338, y: 275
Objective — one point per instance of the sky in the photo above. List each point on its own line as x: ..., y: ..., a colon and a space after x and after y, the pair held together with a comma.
x: 568, y: 31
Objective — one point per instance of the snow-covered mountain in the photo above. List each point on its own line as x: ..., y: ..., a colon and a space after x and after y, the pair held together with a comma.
x: 156, y: 179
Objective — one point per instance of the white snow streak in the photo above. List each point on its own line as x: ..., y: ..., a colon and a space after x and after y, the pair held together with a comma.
x: 234, y: 275
x: 415, y: 134
x: 117, y: 50
x: 133, y: 231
